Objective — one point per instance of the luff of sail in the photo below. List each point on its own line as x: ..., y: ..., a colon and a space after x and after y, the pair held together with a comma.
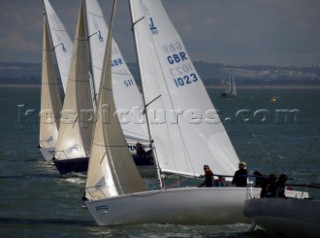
x: 112, y: 171
x: 50, y: 100
x: 77, y: 115
x: 190, y: 132
x: 127, y: 97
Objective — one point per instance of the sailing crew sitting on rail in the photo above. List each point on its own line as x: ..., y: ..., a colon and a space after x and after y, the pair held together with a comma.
x: 140, y: 149
x: 208, y: 181
x: 240, y: 176
x: 268, y: 188
x: 260, y: 178
x: 280, y: 186
x: 219, y: 182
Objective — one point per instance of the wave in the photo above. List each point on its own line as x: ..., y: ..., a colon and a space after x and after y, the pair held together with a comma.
x: 48, y: 221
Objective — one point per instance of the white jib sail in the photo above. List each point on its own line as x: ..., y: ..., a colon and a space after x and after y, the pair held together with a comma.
x: 50, y: 97
x: 112, y: 171
x: 184, y: 124
x: 75, y: 130
x: 128, y: 99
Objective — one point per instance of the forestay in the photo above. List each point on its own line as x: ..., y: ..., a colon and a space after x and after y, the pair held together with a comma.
x: 184, y: 124
x: 128, y: 99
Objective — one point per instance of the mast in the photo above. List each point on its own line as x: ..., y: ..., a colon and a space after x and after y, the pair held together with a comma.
x: 161, y: 185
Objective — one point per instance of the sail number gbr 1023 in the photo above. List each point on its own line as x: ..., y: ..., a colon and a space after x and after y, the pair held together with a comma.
x: 186, y: 79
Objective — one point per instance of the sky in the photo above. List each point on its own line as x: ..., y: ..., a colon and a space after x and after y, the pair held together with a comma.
x: 236, y: 32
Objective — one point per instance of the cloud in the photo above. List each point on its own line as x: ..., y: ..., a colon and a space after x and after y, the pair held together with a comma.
x: 228, y: 31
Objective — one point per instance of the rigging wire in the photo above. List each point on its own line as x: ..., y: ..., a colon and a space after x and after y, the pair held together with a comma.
x: 257, y: 139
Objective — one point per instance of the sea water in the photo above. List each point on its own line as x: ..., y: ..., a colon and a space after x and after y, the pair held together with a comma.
x: 36, y: 202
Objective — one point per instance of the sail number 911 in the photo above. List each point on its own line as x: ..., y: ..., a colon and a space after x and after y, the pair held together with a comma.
x: 187, y: 79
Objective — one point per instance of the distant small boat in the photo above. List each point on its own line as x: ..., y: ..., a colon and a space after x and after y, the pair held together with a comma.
x: 231, y: 90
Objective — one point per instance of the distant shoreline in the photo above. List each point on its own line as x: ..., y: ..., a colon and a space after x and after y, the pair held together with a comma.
x: 20, y: 86
x: 269, y: 87
x: 208, y: 87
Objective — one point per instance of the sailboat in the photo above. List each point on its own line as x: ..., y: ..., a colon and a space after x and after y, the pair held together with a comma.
x: 127, y: 96
x: 75, y: 131
x: 50, y: 100
x: 50, y: 96
x: 231, y: 90
x: 170, y: 85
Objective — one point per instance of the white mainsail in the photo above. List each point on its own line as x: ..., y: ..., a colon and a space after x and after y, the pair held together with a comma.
x: 111, y: 171
x: 187, y: 131
x: 77, y: 115
x: 127, y: 96
x: 62, y: 43
x: 50, y: 100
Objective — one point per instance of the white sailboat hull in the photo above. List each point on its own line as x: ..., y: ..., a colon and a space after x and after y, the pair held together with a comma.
x: 218, y: 205
x: 290, y: 217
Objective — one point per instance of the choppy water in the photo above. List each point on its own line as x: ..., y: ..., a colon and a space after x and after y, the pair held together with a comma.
x: 36, y: 202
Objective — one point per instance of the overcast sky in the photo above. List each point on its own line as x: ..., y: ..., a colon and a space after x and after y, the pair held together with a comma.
x: 238, y: 32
